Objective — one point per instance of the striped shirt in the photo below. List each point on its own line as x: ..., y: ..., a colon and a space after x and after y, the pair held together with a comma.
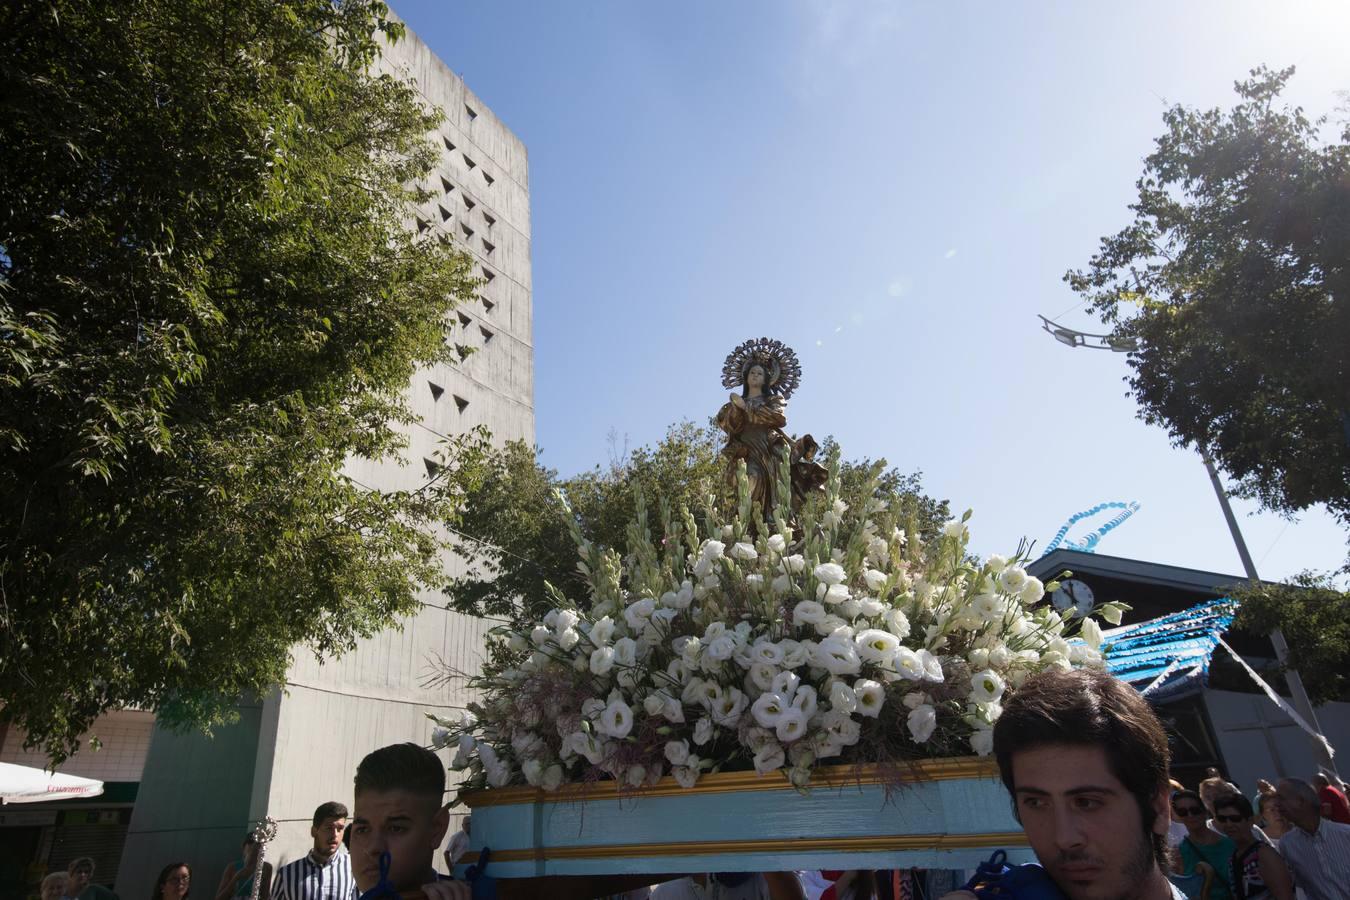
x: 307, y: 879
x: 1319, y: 862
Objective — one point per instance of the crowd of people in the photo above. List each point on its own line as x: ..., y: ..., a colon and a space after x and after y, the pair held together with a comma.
x: 1083, y: 757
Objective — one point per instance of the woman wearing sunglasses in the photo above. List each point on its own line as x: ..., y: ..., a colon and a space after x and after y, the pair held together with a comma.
x: 1257, y: 870
x: 1202, y: 843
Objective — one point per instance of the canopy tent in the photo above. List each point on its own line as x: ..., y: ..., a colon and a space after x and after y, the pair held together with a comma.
x: 1168, y: 658
x: 24, y: 784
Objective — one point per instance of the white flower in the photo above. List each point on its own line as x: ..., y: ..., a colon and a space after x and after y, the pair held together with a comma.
x: 465, y: 752
x: 808, y: 612
x: 871, y: 607
x: 849, y: 609
x: 653, y: 703
x: 996, y: 563
x: 744, y: 550
x: 726, y: 710
x: 785, y: 683
x: 769, y: 757
x: 721, y: 648
x: 982, y: 741
x: 1111, y: 613
x: 829, y: 573
x: 440, y: 737
x: 766, y: 651
x: 932, y: 666
x: 908, y: 664
x: 1032, y: 591
x: 569, y: 638
x: 914, y: 699
x: 871, y: 695
x: 794, y: 564
x: 540, y: 634
x: 533, y: 770
x: 637, y: 614
x: 617, y: 720
x: 703, y: 731
x: 806, y: 700
x: 781, y: 585
x: 602, y: 660
x: 625, y: 652
x: 957, y: 529
x: 986, y: 687
x: 1013, y: 579
x: 602, y: 631
x: 875, y: 645
x: 636, y: 775
x: 677, y: 752
x: 552, y: 778
x: 768, y: 708
x: 837, y: 655
x: 588, y: 746
x: 1092, y: 633
x: 791, y: 725
x: 517, y: 642
x: 922, y: 722
x: 897, y: 623
x: 565, y: 619
x: 842, y: 697
x: 979, y: 658
x: 795, y: 653
x: 777, y: 543
x: 685, y: 776
x: 875, y: 579
x: 988, y: 607
x: 498, y: 776
x: 835, y: 593
x: 761, y: 675
x: 713, y: 550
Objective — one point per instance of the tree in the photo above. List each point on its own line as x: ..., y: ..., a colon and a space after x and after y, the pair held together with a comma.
x: 511, y: 510
x: 1315, y: 618
x: 1234, y: 279
x: 209, y: 304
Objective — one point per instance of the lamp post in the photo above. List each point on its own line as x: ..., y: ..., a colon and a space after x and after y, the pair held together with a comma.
x: 1073, y: 338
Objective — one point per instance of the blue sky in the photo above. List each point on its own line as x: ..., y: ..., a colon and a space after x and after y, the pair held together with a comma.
x: 893, y: 189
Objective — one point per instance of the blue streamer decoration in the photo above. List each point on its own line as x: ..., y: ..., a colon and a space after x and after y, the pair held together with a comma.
x: 1089, y: 544
x: 1168, y: 657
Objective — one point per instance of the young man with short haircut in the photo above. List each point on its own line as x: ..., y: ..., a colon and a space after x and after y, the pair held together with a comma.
x: 325, y: 873
x: 1317, y: 850
x: 1085, y: 760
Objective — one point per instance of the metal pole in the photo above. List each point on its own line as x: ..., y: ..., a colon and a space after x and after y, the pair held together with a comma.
x: 1300, y: 695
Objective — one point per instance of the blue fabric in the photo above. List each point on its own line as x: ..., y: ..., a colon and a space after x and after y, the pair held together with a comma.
x: 1178, y: 646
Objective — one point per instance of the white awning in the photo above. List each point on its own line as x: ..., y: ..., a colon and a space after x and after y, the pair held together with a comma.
x: 24, y: 784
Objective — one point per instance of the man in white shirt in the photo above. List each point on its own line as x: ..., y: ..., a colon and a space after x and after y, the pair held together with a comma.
x: 1317, y: 850
x: 325, y: 872
x: 458, y: 846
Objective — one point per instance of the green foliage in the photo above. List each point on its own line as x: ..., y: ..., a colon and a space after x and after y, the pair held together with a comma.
x: 209, y: 303
x: 1235, y: 280
x: 512, y: 512
x: 1315, y: 618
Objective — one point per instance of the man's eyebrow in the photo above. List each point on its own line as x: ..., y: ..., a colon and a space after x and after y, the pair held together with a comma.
x: 1081, y: 789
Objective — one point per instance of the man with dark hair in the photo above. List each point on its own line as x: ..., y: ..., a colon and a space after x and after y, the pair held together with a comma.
x: 1086, y: 762
x: 1317, y: 850
x: 400, y: 810
x: 325, y: 873
x: 80, y: 881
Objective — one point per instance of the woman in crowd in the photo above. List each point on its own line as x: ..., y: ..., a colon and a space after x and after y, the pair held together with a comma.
x: 1202, y: 843
x: 1256, y: 871
x: 54, y: 886
x: 174, y: 882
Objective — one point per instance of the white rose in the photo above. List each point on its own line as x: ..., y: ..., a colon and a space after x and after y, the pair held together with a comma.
x: 540, y: 635
x: 1032, y: 591
x: 922, y: 722
x: 1111, y: 613
x: 602, y: 660
x: 625, y: 652
x: 769, y: 758
x: 533, y: 770
x: 653, y: 703
x: 871, y: 695
x: 785, y: 683
x: 795, y: 653
x: 829, y: 573
x: 1013, y: 579
x: 996, y: 563
x: 1092, y: 633
x: 781, y: 585
x: 637, y: 614
x: 806, y: 700
x: 982, y: 741
x: 617, y: 720
x: 835, y: 593
x: 875, y: 579
x: 685, y: 776
x: 897, y: 623
x: 871, y: 607
x: 440, y: 737
x: 565, y: 619
x: 569, y: 638
x: 517, y: 642
x: 761, y: 675
x: 552, y: 779
x: 838, y: 656
x: 602, y: 631
x: 957, y: 529
x: 777, y: 543
x: 987, y: 607
x: 875, y: 645
x: 744, y: 550
x: 703, y: 731
x: 794, y: 564
x: 986, y: 687
x: 726, y: 710
x: 766, y: 651
x: 932, y: 666
x: 842, y: 697
x: 768, y: 708
x: 677, y: 752
x: 721, y: 648
x: 791, y: 725
x: 713, y: 550
x: 808, y: 612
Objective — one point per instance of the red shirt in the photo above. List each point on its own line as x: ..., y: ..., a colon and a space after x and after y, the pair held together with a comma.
x: 1334, y: 805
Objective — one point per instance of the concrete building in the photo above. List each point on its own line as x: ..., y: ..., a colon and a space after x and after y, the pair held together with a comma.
x: 295, y: 749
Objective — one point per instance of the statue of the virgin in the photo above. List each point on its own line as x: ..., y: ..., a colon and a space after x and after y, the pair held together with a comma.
x: 767, y: 372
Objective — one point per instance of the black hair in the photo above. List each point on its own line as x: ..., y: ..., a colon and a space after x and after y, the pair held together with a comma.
x: 407, y: 767
x: 1234, y: 801
x: 330, y: 810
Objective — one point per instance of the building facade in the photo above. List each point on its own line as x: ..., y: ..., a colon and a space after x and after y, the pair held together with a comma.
x: 299, y: 747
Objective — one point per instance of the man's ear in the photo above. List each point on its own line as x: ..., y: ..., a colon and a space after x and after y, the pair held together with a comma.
x: 440, y: 824
x: 1162, y: 810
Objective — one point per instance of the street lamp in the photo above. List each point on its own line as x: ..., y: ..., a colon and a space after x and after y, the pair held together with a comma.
x: 1073, y: 338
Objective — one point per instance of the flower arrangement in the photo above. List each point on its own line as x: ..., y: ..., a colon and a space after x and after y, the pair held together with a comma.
x: 838, y: 638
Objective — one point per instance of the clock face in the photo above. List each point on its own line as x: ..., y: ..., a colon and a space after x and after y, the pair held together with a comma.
x: 1074, y: 598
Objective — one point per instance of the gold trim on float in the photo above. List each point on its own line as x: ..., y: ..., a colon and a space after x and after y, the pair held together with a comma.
x: 870, y: 844
x: 730, y: 782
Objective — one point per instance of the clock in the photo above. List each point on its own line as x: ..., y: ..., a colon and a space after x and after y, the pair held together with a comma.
x: 1074, y: 598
